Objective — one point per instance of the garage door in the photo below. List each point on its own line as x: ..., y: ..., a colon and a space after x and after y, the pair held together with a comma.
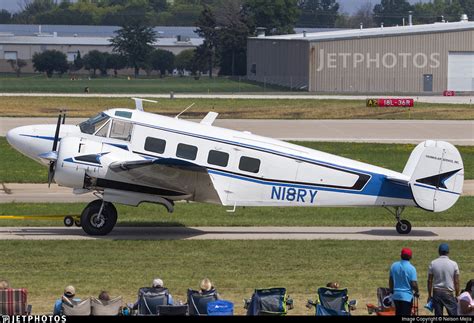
x: 461, y: 71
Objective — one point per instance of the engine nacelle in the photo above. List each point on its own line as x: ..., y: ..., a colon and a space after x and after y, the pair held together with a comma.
x: 76, y: 156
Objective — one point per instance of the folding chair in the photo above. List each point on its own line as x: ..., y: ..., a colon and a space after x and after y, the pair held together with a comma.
x: 150, y: 298
x: 332, y: 301
x: 197, y: 302
x: 76, y: 308
x: 13, y: 301
x: 106, y: 308
x: 271, y: 301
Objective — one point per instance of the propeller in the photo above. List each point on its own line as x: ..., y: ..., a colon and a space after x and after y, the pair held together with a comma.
x: 53, y: 155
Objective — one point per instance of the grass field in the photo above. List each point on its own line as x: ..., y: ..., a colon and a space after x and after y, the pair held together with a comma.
x: 16, y: 168
x: 235, y: 267
x: 196, y: 214
x: 40, y: 83
x: 235, y: 108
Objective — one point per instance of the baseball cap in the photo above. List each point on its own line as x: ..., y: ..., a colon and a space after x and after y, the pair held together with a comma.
x: 407, y: 252
x: 69, y: 291
x: 157, y: 282
x: 443, y: 248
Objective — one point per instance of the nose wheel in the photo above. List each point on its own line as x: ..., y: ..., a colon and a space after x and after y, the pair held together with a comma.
x: 98, y: 218
x: 403, y: 226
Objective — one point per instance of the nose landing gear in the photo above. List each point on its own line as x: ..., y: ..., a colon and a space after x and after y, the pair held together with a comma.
x: 403, y: 226
x: 98, y: 218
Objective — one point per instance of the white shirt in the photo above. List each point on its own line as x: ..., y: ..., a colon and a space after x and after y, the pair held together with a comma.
x: 443, y: 270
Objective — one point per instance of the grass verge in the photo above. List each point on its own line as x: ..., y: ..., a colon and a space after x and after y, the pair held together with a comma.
x: 197, y: 214
x: 236, y: 267
x: 14, y: 106
x: 16, y: 168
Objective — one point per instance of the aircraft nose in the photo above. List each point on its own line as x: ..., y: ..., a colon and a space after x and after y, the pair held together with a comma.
x: 13, y: 137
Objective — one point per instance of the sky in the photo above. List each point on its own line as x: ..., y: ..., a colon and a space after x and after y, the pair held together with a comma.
x: 348, y: 6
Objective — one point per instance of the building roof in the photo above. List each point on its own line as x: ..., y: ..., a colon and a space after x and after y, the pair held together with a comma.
x: 375, y: 32
x: 87, y: 41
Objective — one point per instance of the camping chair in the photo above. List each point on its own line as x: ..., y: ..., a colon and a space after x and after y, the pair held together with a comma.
x: 150, y: 298
x: 172, y: 310
x: 13, y: 301
x: 197, y: 302
x: 271, y: 301
x: 220, y: 308
x: 385, y: 307
x: 106, y: 308
x: 332, y: 301
x: 76, y: 308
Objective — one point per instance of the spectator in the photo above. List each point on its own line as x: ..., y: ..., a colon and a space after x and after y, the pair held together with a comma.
x: 4, y: 284
x: 206, y: 288
x: 334, y: 285
x: 403, y: 283
x: 466, y: 300
x: 158, y: 285
x: 443, y: 281
x: 104, y: 296
x: 69, y: 293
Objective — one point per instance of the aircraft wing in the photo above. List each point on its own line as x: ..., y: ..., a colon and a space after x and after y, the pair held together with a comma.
x: 171, y: 174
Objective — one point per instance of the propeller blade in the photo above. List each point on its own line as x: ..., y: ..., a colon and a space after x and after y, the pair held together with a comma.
x: 56, y: 135
x: 64, y: 117
x: 51, y: 156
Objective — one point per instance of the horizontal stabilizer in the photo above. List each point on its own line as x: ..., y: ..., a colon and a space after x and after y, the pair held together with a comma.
x: 436, y: 174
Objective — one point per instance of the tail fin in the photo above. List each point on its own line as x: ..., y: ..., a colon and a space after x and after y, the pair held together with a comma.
x: 436, y: 174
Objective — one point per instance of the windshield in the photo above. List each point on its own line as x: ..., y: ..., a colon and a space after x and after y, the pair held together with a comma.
x: 90, y: 126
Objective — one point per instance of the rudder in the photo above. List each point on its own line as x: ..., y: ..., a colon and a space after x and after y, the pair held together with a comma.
x: 436, y: 174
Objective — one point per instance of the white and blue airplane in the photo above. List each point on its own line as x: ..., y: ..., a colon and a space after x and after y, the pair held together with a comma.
x: 129, y: 156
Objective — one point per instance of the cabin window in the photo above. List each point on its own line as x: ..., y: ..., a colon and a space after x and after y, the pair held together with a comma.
x: 155, y: 145
x: 121, y: 130
x: 218, y: 158
x: 186, y: 151
x: 123, y: 114
x: 249, y: 164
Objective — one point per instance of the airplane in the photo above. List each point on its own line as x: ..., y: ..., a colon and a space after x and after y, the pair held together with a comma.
x: 130, y: 156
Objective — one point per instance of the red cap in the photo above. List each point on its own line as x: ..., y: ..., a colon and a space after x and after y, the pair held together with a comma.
x: 407, y: 252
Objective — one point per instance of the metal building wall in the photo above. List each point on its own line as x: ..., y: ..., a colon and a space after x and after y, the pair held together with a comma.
x: 407, y: 76
x: 280, y: 62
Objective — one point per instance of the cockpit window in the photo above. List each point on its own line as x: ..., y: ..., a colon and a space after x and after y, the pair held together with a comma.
x: 102, y: 132
x: 93, y: 124
x: 121, y: 130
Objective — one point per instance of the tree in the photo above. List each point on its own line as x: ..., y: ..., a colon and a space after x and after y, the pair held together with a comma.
x: 162, y: 61
x: 428, y: 13
x: 135, y: 43
x: 391, y: 12
x: 96, y: 60
x: 468, y: 8
x: 5, y: 16
x: 50, y: 61
x: 277, y: 16
x: 318, y: 13
x: 184, y: 61
x: 363, y: 15
x: 17, y: 65
x: 116, y: 62
x: 207, y: 29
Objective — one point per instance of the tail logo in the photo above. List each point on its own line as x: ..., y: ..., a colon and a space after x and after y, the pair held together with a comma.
x: 438, y: 180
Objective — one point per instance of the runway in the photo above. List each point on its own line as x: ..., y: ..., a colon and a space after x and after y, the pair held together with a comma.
x: 259, y: 96
x: 240, y: 233
x: 457, y: 132
x: 40, y: 193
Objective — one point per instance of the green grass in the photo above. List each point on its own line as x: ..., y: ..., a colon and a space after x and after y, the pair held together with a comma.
x: 197, y: 214
x: 235, y: 267
x: 235, y: 108
x: 39, y: 83
x: 16, y: 168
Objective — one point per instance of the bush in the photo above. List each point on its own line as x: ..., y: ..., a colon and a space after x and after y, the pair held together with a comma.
x: 50, y: 61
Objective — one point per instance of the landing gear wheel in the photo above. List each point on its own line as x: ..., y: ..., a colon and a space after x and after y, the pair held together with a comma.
x: 77, y: 222
x: 68, y: 221
x: 98, y: 218
x: 404, y: 227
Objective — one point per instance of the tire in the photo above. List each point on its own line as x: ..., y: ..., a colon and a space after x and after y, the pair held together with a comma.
x: 77, y: 222
x: 403, y: 227
x: 68, y: 221
x: 95, y: 226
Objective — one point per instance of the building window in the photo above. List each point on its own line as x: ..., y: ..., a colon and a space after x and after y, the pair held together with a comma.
x: 155, y: 145
x: 11, y: 55
x: 249, y: 164
x: 186, y: 151
x: 121, y: 130
x: 218, y: 158
x: 71, y: 56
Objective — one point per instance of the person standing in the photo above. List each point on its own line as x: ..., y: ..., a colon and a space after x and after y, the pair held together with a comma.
x: 403, y: 283
x: 443, y: 283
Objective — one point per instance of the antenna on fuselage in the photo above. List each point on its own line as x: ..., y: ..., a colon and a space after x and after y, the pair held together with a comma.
x: 139, y: 103
x: 184, y: 111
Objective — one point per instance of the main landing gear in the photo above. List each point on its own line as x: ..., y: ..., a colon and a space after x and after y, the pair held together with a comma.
x: 98, y: 218
x: 403, y: 226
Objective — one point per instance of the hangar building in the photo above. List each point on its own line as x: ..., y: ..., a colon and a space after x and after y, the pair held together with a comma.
x: 413, y: 59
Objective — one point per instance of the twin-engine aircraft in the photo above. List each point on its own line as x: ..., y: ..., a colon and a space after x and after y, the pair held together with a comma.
x: 131, y: 156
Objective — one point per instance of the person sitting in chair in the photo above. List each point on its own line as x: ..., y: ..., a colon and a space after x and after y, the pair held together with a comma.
x: 104, y: 296
x: 334, y: 285
x: 206, y: 288
x: 4, y: 284
x: 156, y: 284
x: 69, y: 293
